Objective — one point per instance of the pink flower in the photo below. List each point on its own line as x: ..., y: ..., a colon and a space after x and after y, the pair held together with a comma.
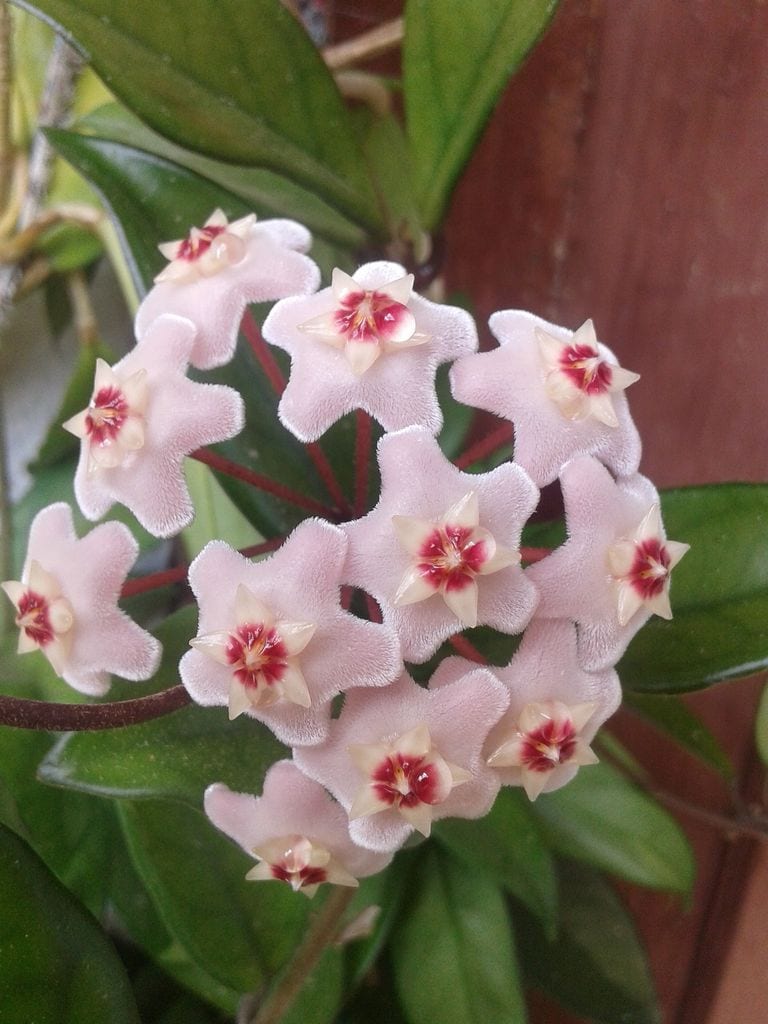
x: 440, y: 550
x: 144, y: 417
x: 367, y: 342
x: 296, y: 831
x: 399, y: 758
x: 273, y: 640
x: 613, y: 572
x: 218, y: 270
x: 66, y: 603
x: 563, y: 391
x: 554, y: 712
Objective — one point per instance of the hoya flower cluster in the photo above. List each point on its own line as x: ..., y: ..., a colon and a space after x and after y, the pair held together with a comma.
x: 439, y: 553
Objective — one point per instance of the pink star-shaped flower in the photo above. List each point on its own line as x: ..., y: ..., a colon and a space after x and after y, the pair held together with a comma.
x: 215, y: 272
x: 144, y: 417
x: 66, y: 603
x: 367, y: 342
x: 400, y: 758
x: 296, y: 831
x: 555, y: 708
x: 562, y: 389
x: 273, y: 641
x: 440, y: 550
x: 612, y: 573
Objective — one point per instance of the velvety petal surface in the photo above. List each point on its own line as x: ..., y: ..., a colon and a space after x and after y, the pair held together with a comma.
x: 397, y: 388
x: 418, y: 482
x: 511, y: 382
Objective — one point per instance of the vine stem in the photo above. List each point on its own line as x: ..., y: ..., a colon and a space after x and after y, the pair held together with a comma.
x: 275, y: 377
x: 321, y: 932
x: 23, y: 713
x: 467, y: 650
x: 486, y: 446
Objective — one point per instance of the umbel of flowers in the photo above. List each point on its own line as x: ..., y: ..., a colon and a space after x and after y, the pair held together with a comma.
x: 439, y: 552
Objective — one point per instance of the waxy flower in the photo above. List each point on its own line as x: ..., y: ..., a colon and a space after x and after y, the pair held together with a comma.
x: 218, y: 269
x: 66, y: 603
x: 440, y: 550
x: 613, y: 572
x: 273, y: 640
x: 296, y: 831
x: 367, y: 342
x: 563, y: 391
x: 554, y: 712
x: 144, y: 417
x: 399, y: 758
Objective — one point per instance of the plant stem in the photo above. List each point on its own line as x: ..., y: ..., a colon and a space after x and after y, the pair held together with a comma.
x: 467, y: 650
x: 486, y: 446
x: 363, y: 434
x: 365, y: 46
x: 321, y: 932
x: 23, y: 713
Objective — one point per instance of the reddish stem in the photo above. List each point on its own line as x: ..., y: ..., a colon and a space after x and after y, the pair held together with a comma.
x: 466, y: 649
x: 263, y: 483
x: 363, y: 434
x: 40, y: 714
x: 486, y: 446
x: 374, y: 612
x: 325, y: 471
x: 531, y: 555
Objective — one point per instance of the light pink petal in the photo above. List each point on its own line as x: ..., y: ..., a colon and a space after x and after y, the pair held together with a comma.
x: 512, y: 382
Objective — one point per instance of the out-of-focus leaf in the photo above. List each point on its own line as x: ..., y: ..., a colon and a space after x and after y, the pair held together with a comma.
x: 719, y: 593
x: 386, y: 151
x: 268, y: 194
x: 453, y: 951
x: 239, y: 932
x: 58, y: 966
x: 596, y: 966
x: 457, y: 418
x: 602, y: 819
x: 241, y: 82
x: 508, y: 847
x: 761, y: 727
x: 671, y: 716
x: 457, y: 58
x: 215, y: 514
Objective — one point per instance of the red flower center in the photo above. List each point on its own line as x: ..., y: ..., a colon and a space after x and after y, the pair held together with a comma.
x: 257, y: 654
x: 32, y: 616
x: 368, y: 316
x: 553, y: 743
x: 106, y: 414
x: 450, y: 558
x: 405, y: 781
x: 650, y: 568
x: 194, y: 247
x: 297, y: 879
x: 584, y: 368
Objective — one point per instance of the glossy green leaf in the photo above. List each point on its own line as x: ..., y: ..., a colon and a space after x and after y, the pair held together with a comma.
x: 596, y: 966
x: 603, y: 820
x: 386, y: 151
x: 761, y: 727
x: 669, y: 714
x: 58, y: 967
x: 452, y: 949
x: 719, y: 593
x: 266, y: 193
x: 508, y: 847
x: 216, y: 515
x: 240, y: 82
x: 239, y: 932
x: 457, y: 57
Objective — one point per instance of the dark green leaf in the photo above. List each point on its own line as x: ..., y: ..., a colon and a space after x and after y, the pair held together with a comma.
x: 58, y: 967
x: 602, y: 819
x: 386, y: 151
x: 761, y: 727
x: 457, y: 57
x: 719, y: 593
x: 452, y: 949
x: 238, y: 932
x: 240, y: 82
x: 596, y: 967
x: 507, y: 846
x: 671, y: 716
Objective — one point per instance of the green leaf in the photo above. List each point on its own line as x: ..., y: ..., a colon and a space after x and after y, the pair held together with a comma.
x: 452, y: 949
x: 457, y: 57
x: 389, y: 160
x: 719, y: 593
x: 266, y: 193
x: 602, y: 819
x: 673, y: 717
x: 761, y: 727
x: 507, y: 846
x: 215, y: 514
x: 58, y: 966
x: 596, y: 967
x: 238, y: 932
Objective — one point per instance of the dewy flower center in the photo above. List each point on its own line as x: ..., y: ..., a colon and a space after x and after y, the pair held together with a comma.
x: 553, y: 743
x: 106, y: 414
x: 33, y: 617
x: 451, y: 556
x: 369, y: 316
x: 199, y: 242
x: 402, y: 780
x: 585, y: 368
x: 650, y: 568
x: 257, y: 654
